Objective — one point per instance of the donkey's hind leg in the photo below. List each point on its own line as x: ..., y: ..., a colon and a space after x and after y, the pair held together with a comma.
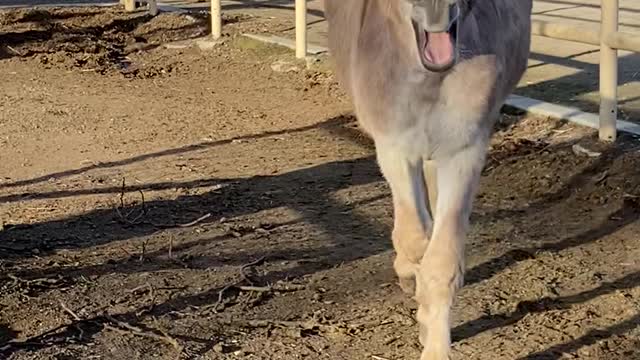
x: 412, y: 223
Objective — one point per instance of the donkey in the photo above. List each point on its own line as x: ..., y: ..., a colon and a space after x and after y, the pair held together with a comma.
x: 427, y: 79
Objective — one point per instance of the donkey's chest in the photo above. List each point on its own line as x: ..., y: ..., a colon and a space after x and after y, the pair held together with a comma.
x: 434, y: 127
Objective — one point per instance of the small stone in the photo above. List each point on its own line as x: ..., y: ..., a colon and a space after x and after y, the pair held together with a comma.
x: 208, y: 44
x: 177, y: 45
x: 284, y: 66
x: 581, y: 150
x: 221, y: 348
x: 312, y: 60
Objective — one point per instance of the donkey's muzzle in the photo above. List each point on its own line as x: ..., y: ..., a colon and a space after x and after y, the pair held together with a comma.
x: 436, y: 23
x: 435, y: 16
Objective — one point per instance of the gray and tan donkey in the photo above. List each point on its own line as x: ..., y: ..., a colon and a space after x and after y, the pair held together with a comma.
x: 427, y: 79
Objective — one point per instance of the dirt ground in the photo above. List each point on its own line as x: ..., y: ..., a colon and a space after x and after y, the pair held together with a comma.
x: 159, y: 201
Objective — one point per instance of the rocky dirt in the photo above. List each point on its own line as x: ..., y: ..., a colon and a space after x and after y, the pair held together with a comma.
x: 165, y: 201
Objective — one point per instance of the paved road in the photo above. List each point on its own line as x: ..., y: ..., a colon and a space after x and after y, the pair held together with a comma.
x: 560, y: 71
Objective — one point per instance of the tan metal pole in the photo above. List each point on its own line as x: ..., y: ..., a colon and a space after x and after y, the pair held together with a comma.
x: 129, y: 5
x: 216, y: 19
x: 153, y: 7
x: 301, y: 29
x: 608, y: 71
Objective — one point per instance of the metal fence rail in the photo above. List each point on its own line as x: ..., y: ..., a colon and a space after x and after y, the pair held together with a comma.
x: 609, y: 39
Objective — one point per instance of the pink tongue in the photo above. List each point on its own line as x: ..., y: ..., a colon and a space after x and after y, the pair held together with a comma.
x: 439, y: 49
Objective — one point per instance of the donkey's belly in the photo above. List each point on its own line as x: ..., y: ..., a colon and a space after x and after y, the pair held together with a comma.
x: 435, y: 133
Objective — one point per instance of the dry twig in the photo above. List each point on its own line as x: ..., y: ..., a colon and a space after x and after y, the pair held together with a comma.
x: 70, y: 312
x: 185, y: 225
x: 127, y: 217
x: 75, y: 317
x: 196, y: 221
x: 307, y: 324
x: 144, y: 250
x: 118, y: 326
x: 244, y: 268
x: 245, y: 277
x: 139, y: 218
x: 126, y: 328
x: 14, y: 51
x: 286, y: 288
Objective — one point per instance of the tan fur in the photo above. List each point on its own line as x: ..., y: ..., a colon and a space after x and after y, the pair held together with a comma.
x: 431, y: 131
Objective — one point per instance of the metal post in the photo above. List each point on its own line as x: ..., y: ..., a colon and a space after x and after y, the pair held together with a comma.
x: 130, y: 5
x: 216, y: 19
x: 153, y: 7
x: 608, y: 71
x: 301, y: 29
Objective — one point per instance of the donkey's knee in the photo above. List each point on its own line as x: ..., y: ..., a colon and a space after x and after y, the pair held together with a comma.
x: 405, y: 270
x: 410, y: 242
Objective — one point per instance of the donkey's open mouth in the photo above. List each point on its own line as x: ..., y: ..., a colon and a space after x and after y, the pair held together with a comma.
x: 437, y: 44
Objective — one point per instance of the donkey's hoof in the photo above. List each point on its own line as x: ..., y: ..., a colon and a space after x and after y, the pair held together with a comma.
x: 408, y: 285
x: 422, y: 334
x: 434, y: 356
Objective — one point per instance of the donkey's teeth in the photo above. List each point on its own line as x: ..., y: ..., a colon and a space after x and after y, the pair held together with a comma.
x: 439, y: 48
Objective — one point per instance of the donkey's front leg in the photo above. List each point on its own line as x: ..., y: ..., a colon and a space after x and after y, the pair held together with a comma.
x: 412, y: 223
x: 441, y: 270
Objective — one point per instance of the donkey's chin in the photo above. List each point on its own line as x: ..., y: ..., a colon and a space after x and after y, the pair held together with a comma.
x: 437, y: 50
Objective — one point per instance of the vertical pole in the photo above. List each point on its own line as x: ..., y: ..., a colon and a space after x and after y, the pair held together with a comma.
x: 608, y: 71
x: 153, y: 7
x: 301, y: 28
x: 216, y: 19
x: 130, y: 5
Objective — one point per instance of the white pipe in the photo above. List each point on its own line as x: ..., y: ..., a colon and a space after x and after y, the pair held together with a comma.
x: 216, y: 19
x: 153, y: 7
x: 608, y: 71
x: 130, y: 5
x: 301, y: 28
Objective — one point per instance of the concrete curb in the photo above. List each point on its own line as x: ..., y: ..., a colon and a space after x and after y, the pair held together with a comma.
x: 574, y: 115
x: 311, y: 49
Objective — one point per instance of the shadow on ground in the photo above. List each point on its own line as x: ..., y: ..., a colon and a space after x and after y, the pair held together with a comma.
x: 352, y: 236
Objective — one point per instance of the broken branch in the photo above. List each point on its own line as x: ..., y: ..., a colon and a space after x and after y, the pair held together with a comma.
x: 126, y: 328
